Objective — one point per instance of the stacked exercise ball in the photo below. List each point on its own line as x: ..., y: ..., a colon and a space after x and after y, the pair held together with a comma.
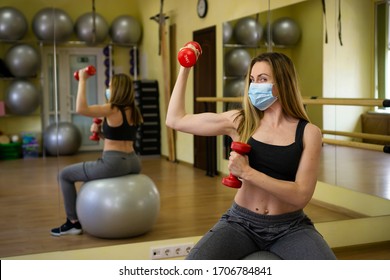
x: 125, y: 30
x: 227, y: 32
x: 91, y: 28
x: 21, y: 97
x: 285, y: 32
x: 237, y: 62
x: 234, y: 87
x: 52, y: 24
x: 13, y: 24
x: 22, y: 60
x: 248, y: 31
x: 63, y: 138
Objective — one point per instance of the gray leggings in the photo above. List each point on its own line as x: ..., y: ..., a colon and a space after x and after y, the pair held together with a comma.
x: 240, y: 232
x: 111, y: 164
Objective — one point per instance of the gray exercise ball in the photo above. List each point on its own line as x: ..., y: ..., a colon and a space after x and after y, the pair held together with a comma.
x: 237, y: 62
x: 52, y: 24
x: 13, y: 24
x: 248, y: 31
x: 285, y: 31
x: 234, y: 88
x: 22, y: 97
x: 22, y: 60
x: 125, y: 30
x: 227, y: 32
x: 262, y: 255
x: 118, y: 207
x: 62, y: 139
x: 84, y: 28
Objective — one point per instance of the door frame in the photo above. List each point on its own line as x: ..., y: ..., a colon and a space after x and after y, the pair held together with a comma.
x: 205, y: 148
x: 64, y: 83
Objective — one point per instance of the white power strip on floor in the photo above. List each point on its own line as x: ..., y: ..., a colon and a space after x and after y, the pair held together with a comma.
x: 172, y: 251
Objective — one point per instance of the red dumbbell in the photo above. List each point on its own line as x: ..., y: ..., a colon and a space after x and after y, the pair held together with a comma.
x: 232, y: 181
x: 189, y: 54
x: 95, y: 135
x: 91, y: 70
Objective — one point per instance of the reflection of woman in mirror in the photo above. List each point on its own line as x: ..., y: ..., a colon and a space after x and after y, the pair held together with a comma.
x: 278, y: 175
x: 121, y: 118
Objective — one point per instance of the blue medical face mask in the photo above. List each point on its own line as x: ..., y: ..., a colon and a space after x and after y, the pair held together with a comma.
x: 108, y: 93
x: 261, y: 96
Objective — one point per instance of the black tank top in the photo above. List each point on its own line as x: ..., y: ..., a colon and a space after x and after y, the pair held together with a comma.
x: 280, y: 162
x: 123, y: 132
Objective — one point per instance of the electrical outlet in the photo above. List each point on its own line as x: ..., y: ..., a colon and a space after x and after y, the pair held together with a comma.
x: 172, y: 251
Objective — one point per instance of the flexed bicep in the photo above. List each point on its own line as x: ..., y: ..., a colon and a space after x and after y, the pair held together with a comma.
x: 202, y: 124
x: 207, y: 124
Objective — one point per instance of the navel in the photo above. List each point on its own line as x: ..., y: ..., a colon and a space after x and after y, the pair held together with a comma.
x: 266, y: 211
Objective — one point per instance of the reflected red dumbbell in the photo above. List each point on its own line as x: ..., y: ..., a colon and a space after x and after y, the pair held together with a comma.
x: 189, y: 54
x: 91, y: 70
x: 232, y: 181
x: 95, y: 135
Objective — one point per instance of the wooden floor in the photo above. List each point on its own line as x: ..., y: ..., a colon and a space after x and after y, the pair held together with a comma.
x: 31, y: 204
x: 361, y: 170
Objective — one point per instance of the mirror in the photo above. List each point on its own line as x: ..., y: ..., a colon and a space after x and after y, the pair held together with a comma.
x: 336, y: 57
x: 326, y: 70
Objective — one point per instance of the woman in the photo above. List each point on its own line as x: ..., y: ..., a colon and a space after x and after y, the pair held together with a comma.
x: 278, y: 175
x: 121, y: 118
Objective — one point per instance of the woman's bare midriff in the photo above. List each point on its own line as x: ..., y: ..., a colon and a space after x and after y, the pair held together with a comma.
x: 118, y: 145
x: 261, y: 202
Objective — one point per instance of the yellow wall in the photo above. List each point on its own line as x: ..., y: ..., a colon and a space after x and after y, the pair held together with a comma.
x: 348, y: 68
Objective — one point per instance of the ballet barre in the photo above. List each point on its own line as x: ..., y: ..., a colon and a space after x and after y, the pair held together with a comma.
x: 334, y: 101
x: 314, y: 101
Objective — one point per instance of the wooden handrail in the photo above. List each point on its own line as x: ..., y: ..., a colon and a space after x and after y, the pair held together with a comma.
x: 371, y: 136
x: 313, y: 101
x: 354, y: 144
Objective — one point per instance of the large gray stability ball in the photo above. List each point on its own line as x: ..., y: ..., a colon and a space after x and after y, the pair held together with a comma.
x: 227, y: 32
x: 234, y: 88
x: 125, y: 30
x: 87, y: 32
x: 22, y: 97
x: 62, y: 139
x: 22, y: 60
x: 118, y: 207
x: 285, y: 31
x: 237, y: 62
x: 52, y: 24
x: 13, y: 24
x: 248, y: 31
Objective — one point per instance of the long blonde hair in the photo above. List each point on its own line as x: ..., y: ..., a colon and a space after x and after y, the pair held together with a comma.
x: 286, y: 80
x: 123, y: 96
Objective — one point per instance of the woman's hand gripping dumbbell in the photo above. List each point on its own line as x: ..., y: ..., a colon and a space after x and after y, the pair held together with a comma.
x: 95, y: 134
x: 232, y: 181
x: 91, y: 70
x: 189, y: 54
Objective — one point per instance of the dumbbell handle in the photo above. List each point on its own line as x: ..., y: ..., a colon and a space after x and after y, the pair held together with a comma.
x: 95, y: 135
x: 231, y: 180
x: 91, y: 70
